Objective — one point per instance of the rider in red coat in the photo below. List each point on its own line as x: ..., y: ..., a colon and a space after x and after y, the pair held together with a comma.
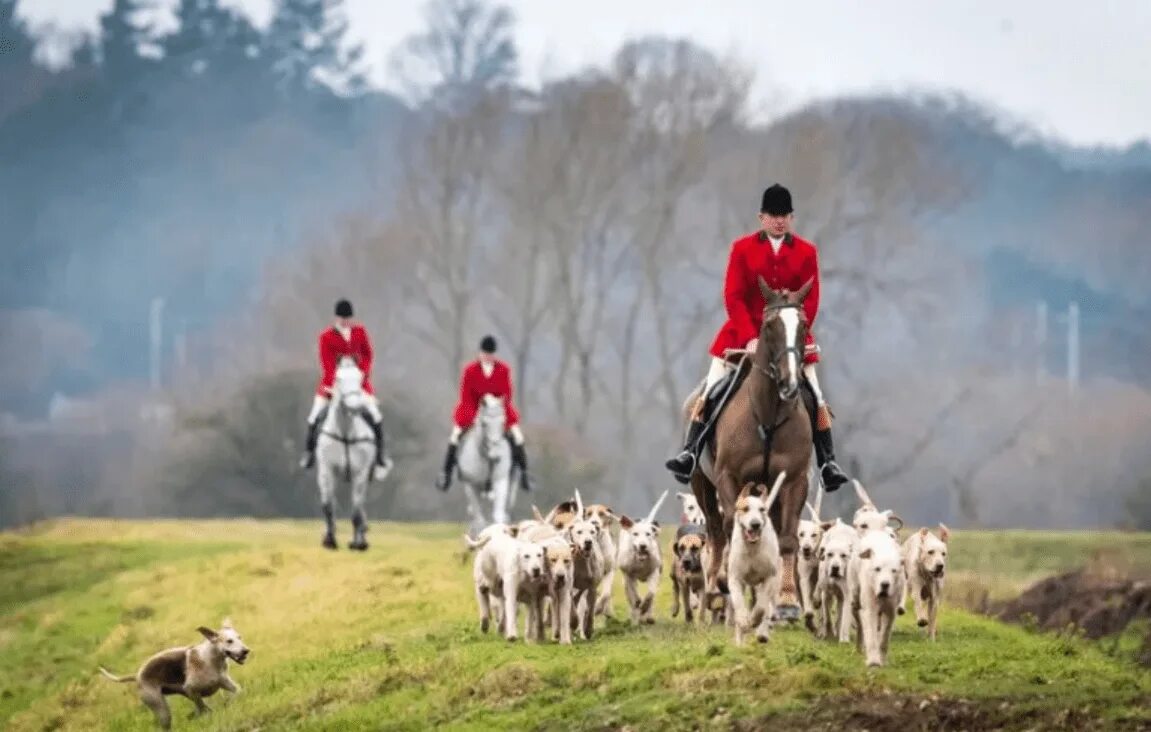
x: 486, y: 375
x: 343, y: 338
x: 784, y: 261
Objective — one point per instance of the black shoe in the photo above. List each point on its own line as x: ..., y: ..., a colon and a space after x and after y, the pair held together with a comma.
x: 444, y: 480
x: 683, y: 464
x: 829, y: 471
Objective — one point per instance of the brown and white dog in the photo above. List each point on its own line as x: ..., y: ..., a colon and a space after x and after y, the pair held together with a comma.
x: 195, y: 672
x: 689, y: 549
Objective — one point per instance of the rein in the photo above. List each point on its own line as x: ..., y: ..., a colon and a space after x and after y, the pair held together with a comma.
x: 347, y: 443
x: 771, y: 371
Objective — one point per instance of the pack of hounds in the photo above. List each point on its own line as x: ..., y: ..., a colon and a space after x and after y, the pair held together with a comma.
x: 853, y: 578
x: 561, y: 567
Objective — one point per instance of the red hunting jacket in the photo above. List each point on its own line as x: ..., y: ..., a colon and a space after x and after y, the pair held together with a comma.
x: 751, y: 257
x: 473, y: 386
x: 333, y: 345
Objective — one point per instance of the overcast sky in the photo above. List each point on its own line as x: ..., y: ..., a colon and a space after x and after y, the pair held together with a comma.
x: 1070, y: 69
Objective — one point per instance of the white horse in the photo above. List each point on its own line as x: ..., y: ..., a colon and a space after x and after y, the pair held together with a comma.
x: 485, y: 465
x: 346, y: 451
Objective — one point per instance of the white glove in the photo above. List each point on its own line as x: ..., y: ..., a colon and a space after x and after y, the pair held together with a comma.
x: 751, y: 345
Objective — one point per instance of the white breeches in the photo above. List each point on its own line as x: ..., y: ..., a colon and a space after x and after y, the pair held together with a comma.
x: 371, y: 406
x: 809, y: 372
x: 715, y: 372
x: 516, y: 433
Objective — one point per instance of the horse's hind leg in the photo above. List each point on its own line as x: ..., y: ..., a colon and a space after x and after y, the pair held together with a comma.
x: 359, y: 516
x: 327, y: 493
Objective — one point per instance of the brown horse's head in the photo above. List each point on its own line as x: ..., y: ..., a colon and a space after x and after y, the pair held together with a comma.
x: 781, y: 337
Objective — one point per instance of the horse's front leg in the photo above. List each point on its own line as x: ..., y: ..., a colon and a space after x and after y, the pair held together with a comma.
x: 327, y: 484
x: 359, y: 515
x: 705, y: 495
x: 500, y: 482
x: 475, y: 511
x: 786, y: 514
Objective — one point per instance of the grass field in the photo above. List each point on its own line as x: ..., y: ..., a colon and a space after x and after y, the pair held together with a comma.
x: 388, y: 640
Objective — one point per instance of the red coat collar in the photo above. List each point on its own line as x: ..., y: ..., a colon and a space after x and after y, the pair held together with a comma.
x: 788, y: 239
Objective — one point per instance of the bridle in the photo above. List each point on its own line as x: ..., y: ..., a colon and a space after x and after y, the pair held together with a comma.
x: 772, y: 370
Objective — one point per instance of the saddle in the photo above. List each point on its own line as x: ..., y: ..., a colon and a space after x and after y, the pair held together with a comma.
x: 721, y: 392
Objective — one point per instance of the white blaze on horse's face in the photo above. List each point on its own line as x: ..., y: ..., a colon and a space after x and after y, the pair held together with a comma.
x: 790, y: 318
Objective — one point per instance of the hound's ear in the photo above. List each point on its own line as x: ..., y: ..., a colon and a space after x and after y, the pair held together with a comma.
x: 682, y: 496
x: 865, y: 554
x: 626, y: 522
x: 675, y: 548
x: 745, y: 491
x: 656, y: 525
x: 513, y: 531
x: 944, y: 533
x: 208, y: 633
x: 827, y: 524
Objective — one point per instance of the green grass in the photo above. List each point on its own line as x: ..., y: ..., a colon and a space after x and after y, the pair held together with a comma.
x: 389, y: 640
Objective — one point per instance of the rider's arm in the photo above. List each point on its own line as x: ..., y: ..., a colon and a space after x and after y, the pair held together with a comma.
x: 466, y: 402
x: 327, y: 361
x: 811, y: 302
x: 735, y: 295
x: 366, y: 353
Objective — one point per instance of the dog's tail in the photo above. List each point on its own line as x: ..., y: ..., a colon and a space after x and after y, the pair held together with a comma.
x: 474, y: 544
x: 118, y: 679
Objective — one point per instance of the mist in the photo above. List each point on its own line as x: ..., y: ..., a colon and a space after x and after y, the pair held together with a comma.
x: 248, y: 180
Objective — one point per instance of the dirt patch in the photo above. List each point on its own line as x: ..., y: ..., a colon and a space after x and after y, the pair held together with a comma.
x: 883, y: 712
x: 1098, y: 604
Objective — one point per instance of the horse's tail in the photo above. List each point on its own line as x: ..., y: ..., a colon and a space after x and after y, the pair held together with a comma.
x: 118, y: 679
x: 579, y: 503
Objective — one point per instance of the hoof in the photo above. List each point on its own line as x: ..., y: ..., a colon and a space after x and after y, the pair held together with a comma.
x: 809, y: 621
x: 922, y: 623
x: 329, y: 542
x: 359, y: 546
x: 900, y: 610
x: 763, y: 638
x: 789, y: 613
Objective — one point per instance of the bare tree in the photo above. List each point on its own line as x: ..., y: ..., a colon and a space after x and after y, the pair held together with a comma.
x: 683, y: 96
x: 466, y: 51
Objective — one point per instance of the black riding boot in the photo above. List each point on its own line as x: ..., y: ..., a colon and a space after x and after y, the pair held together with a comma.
x: 829, y: 470
x: 309, y: 457
x: 444, y: 480
x: 378, y: 433
x: 520, y: 460
x: 683, y: 464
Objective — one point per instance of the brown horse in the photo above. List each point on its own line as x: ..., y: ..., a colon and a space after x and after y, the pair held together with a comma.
x: 767, y: 404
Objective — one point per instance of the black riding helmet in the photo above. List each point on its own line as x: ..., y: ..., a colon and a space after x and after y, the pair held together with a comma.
x: 343, y: 309
x: 488, y: 344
